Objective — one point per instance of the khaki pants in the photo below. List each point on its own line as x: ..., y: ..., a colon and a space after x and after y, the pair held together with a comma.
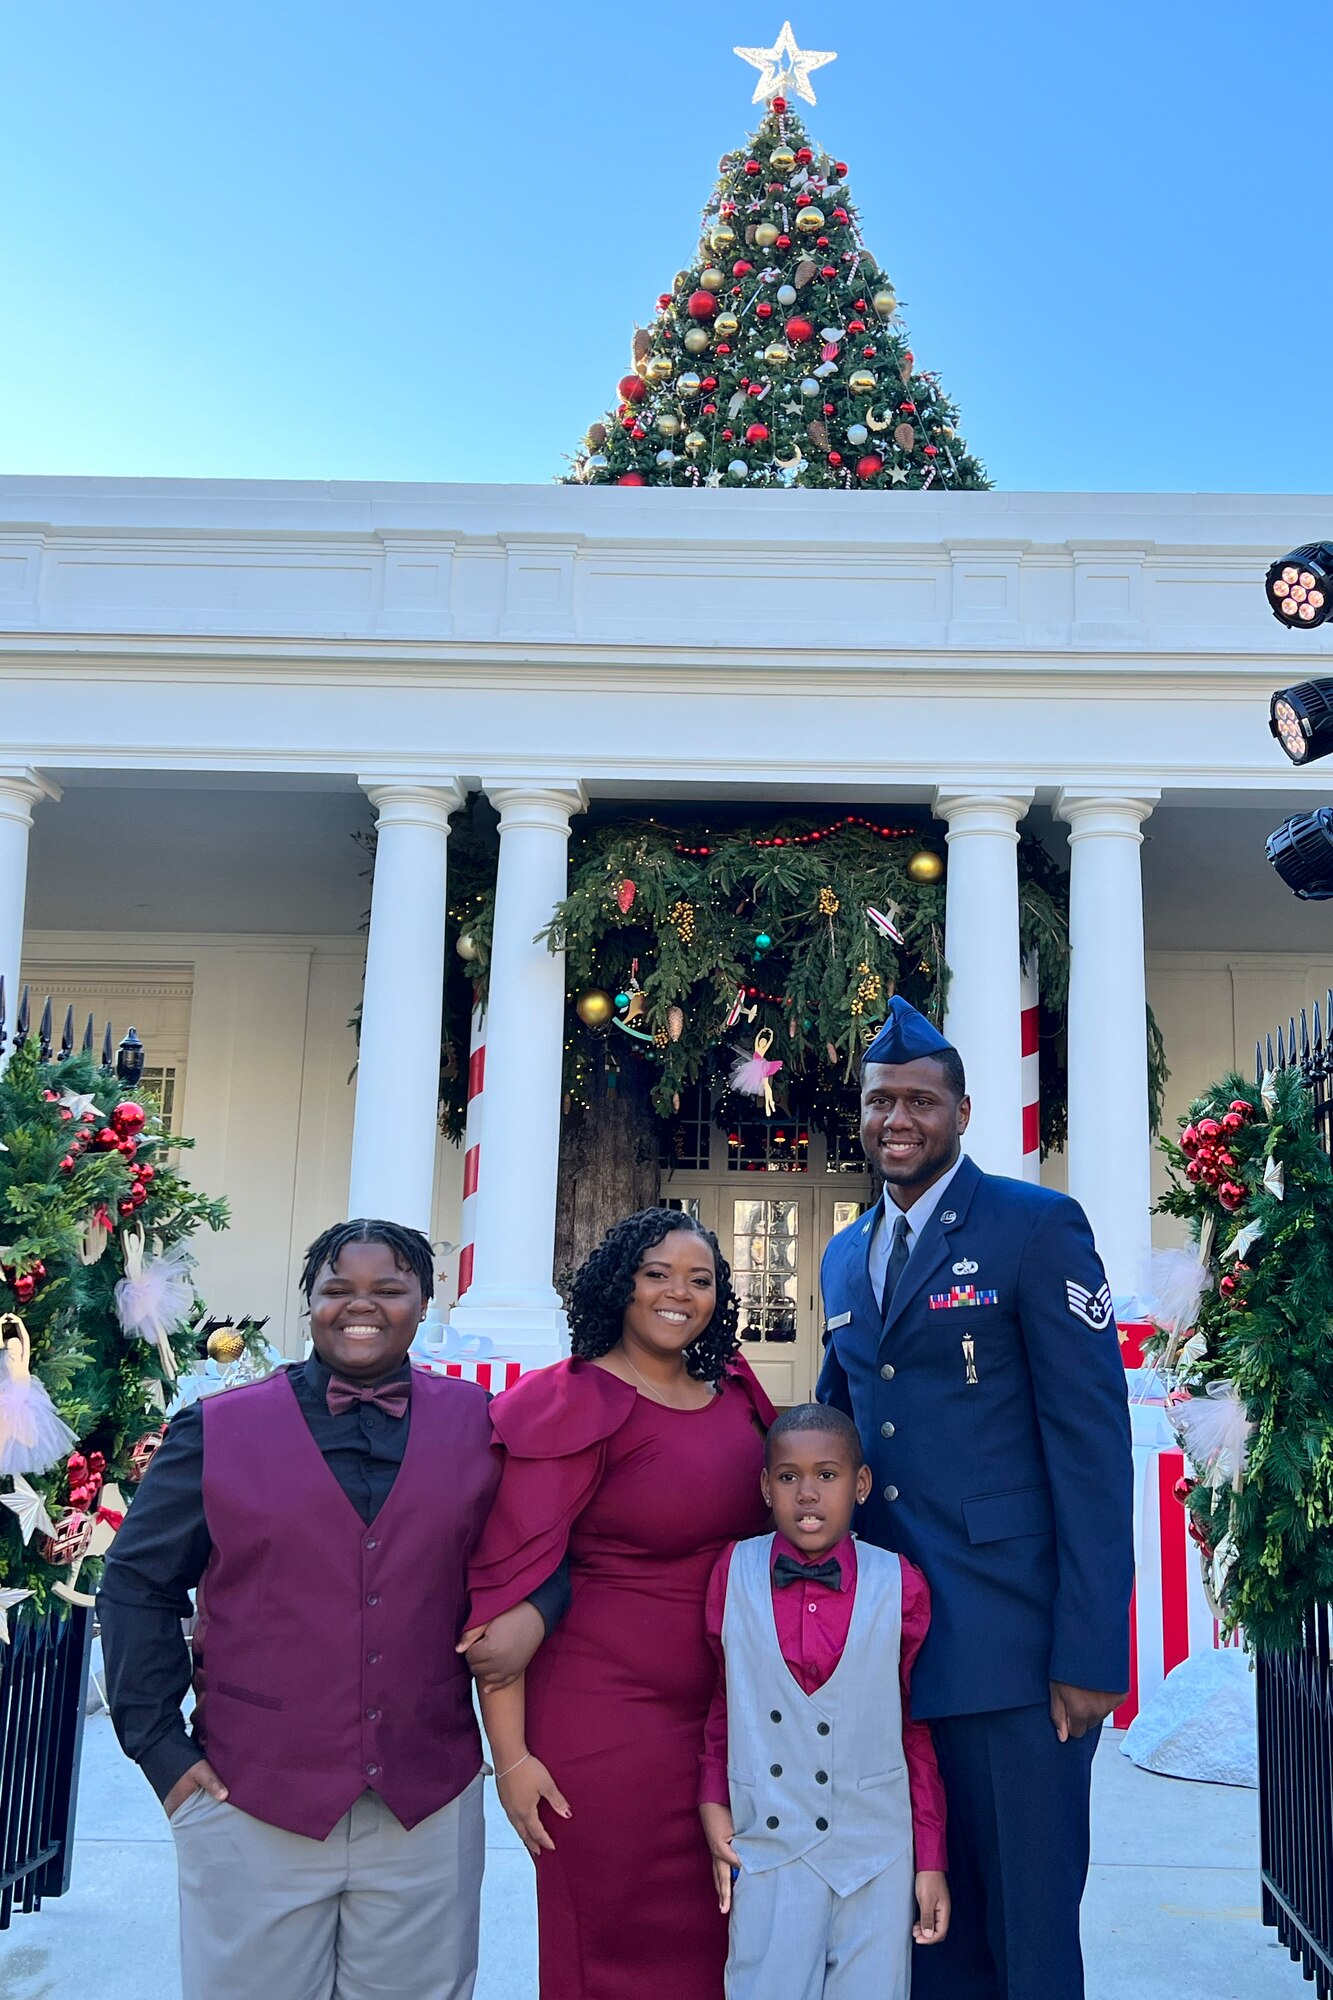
x: 371, y: 1913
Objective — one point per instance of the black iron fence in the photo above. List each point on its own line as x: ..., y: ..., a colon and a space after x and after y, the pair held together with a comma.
x: 1296, y: 1689
x: 43, y: 1680
x: 44, y: 1666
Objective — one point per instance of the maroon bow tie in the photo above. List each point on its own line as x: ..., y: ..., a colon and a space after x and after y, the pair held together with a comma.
x: 392, y: 1397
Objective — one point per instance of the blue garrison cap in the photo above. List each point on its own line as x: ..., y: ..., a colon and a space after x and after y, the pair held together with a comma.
x: 905, y: 1036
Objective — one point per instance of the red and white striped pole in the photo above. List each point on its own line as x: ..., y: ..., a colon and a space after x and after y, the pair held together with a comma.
x: 476, y: 1084
x: 1028, y: 1017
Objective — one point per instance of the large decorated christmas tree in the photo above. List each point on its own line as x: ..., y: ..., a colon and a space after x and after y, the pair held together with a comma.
x: 778, y: 357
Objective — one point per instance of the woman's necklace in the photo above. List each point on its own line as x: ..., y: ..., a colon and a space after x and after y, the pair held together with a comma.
x: 652, y: 1391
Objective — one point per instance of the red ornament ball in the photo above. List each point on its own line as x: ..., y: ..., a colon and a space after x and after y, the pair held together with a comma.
x: 869, y: 353
x: 829, y: 271
x: 67, y: 1164
x: 752, y: 167
x: 727, y: 436
x: 637, y: 433
x: 835, y: 458
x: 932, y: 451
x: 1231, y: 1195
x: 24, y: 1288
x: 829, y: 409
x: 783, y: 243
x: 1189, y: 1139
x: 740, y: 269
x: 125, y: 1207
x: 664, y: 300
x: 756, y: 434
x: 146, y: 1173
x: 630, y: 389
x: 1183, y: 1487
x: 709, y: 382
x: 1209, y: 1129
x: 709, y: 410
x: 631, y: 479
x: 869, y: 466
x: 839, y: 215
x: 798, y: 329
x: 724, y: 347
x: 803, y: 156
x: 107, y: 1137
x: 763, y: 310
x: 821, y: 242
x: 1227, y: 1286
x: 840, y: 168
x: 908, y: 409
x: 779, y: 104
x: 856, y: 326
x: 1241, y: 1107
x: 702, y: 306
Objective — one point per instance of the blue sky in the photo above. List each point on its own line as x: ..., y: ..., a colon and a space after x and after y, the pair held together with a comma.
x: 306, y: 239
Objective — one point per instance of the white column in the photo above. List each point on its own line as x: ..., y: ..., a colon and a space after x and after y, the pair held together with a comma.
x: 20, y: 790
x: 983, y: 1010
x: 398, y: 1071
x: 1109, y: 1145
x: 512, y: 1301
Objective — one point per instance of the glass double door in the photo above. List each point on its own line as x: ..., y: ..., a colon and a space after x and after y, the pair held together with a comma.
x: 774, y: 1243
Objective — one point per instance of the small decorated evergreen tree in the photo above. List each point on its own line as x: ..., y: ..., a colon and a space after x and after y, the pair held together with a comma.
x: 778, y: 357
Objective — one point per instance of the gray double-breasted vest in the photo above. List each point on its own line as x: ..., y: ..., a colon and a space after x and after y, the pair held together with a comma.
x: 816, y: 1777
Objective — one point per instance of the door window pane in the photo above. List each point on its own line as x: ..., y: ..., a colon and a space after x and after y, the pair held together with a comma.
x: 764, y: 1252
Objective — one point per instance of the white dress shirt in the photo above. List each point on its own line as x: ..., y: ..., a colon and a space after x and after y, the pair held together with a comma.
x: 918, y: 1215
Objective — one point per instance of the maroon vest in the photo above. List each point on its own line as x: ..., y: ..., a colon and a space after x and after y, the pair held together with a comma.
x: 327, y: 1650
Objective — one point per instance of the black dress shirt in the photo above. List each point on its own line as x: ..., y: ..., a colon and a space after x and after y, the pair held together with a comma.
x: 162, y: 1551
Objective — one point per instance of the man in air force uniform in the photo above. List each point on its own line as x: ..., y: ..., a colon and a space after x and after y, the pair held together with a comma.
x: 970, y: 1334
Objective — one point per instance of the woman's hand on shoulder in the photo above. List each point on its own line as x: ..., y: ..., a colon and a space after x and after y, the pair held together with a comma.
x: 498, y: 1652
x: 521, y: 1790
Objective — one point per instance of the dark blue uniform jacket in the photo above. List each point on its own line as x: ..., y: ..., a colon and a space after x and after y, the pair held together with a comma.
x: 1012, y: 1492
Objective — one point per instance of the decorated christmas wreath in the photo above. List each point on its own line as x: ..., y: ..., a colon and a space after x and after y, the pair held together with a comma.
x: 98, y: 1314
x: 1245, y: 1342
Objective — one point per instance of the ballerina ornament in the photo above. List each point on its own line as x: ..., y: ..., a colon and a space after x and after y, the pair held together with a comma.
x: 754, y: 1074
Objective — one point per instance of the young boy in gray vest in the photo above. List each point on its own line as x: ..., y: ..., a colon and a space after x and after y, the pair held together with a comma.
x: 820, y: 1798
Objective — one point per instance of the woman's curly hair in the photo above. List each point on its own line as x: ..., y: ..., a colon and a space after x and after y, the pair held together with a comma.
x: 604, y: 1285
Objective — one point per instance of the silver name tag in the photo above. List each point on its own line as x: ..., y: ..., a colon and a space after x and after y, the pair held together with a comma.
x: 839, y: 1319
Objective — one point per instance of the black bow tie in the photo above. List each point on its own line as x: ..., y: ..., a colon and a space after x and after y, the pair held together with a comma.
x: 788, y: 1570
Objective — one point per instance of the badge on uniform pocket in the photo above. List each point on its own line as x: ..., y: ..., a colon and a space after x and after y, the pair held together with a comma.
x: 838, y: 1319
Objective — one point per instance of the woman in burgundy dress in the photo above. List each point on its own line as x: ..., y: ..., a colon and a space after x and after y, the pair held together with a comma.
x: 639, y: 1459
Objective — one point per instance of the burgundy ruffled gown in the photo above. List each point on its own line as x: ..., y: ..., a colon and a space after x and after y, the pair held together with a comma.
x: 642, y: 1498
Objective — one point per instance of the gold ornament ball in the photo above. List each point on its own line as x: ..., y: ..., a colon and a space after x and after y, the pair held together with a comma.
x: 925, y: 866
x: 808, y: 220
x: 695, y: 441
x: 695, y: 340
x: 726, y: 324
x: 722, y: 237
x: 658, y: 368
x: 594, y: 1008
x: 712, y: 279
x: 668, y: 424
x: 885, y: 304
x: 777, y: 354
x: 782, y: 159
x: 862, y: 383
x: 766, y: 234
x: 467, y: 947
x: 689, y: 384
x: 225, y: 1344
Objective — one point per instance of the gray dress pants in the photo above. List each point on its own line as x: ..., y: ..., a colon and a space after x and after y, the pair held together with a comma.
x: 372, y: 1913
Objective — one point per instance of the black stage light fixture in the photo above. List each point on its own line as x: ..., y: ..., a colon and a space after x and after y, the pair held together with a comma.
x: 1299, y: 587
x: 1301, y: 850
x: 1301, y: 718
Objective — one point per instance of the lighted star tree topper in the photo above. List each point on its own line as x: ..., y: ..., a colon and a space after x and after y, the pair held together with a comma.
x: 778, y: 357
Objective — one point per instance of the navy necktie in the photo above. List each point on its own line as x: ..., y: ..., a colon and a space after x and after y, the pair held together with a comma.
x: 786, y: 1569
x: 897, y: 1263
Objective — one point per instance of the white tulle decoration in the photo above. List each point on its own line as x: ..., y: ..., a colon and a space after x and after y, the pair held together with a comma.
x: 1214, y: 1431
x: 1179, y: 1280
x: 155, y: 1296
x: 33, y: 1434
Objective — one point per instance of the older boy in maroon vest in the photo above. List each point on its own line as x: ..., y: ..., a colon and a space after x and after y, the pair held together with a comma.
x: 327, y: 1809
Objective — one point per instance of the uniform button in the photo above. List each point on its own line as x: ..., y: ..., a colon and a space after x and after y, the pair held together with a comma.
x: 372, y: 1715
x: 886, y: 1430
x: 821, y: 1777
x: 821, y: 1728
x: 821, y: 1826
x: 812, y: 1607
x: 886, y: 1372
x: 372, y: 1770
x: 372, y: 1659
x: 890, y: 1493
x: 772, y: 1820
x: 775, y: 1770
x: 775, y: 1715
x: 372, y: 1597
x: 371, y: 1542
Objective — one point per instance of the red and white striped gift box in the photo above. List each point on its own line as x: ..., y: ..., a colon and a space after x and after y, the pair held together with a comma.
x: 1169, y: 1614
x: 492, y: 1375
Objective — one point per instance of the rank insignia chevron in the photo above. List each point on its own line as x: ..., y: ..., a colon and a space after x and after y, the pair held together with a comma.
x: 1093, y: 1308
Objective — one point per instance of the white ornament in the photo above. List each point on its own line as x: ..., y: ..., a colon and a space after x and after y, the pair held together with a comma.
x: 666, y: 458
x: 27, y: 1506
x: 1214, y: 1432
x: 713, y: 478
x: 809, y: 386
x: 738, y: 468
x: 897, y: 475
x: 8, y: 1599
x: 786, y: 295
x: 1274, y: 1178
x: 76, y: 1105
x: 857, y: 433
x: 775, y: 80
x: 155, y: 1296
x: 33, y: 1434
x: 1244, y: 1240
